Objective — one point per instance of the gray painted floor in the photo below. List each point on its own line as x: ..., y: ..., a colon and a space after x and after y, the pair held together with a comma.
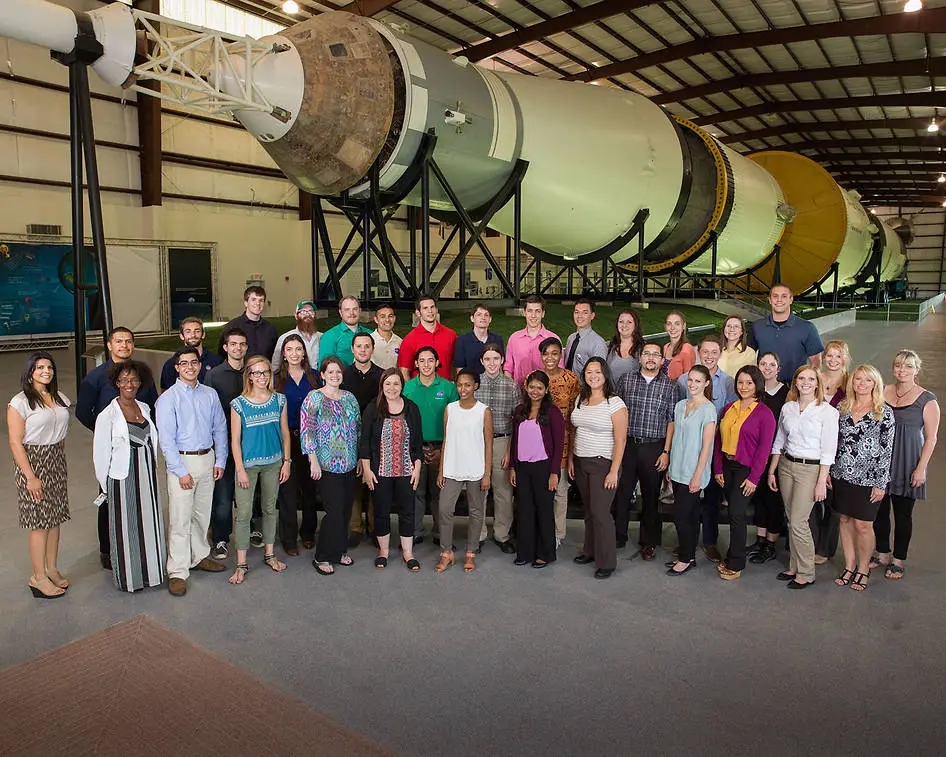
x: 516, y: 661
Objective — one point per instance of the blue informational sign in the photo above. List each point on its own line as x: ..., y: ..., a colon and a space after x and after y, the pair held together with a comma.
x: 35, y: 288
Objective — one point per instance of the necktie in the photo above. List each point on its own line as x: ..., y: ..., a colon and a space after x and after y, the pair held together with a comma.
x: 570, y: 360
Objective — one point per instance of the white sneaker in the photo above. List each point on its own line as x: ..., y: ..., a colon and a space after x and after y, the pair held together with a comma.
x: 219, y: 552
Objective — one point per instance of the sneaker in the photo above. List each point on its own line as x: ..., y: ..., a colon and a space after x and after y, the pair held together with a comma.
x: 764, y: 554
x: 256, y: 539
x: 756, y: 548
x: 219, y: 552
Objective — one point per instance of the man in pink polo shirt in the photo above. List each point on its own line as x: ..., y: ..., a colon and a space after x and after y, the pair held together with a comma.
x: 429, y: 332
x: 522, y: 349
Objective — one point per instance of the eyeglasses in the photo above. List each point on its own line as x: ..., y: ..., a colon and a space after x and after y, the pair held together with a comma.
x: 305, y: 312
x: 651, y: 354
x: 259, y: 374
x: 129, y: 382
x: 190, y: 363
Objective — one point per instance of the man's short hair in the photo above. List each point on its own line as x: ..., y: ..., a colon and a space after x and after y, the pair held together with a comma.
x: 585, y: 301
x: 534, y: 299
x: 254, y: 289
x: 479, y: 306
x: 384, y: 306
x: 191, y: 319
x: 232, y: 331
x: 363, y: 335
x: 122, y: 329
x: 426, y: 348
x: 712, y: 338
x: 424, y: 298
x: 786, y: 287
x: 185, y: 351
x: 348, y: 297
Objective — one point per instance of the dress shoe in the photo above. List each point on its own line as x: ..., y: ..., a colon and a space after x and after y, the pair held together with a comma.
x: 583, y: 559
x: 649, y: 552
x: 106, y: 561
x: 418, y: 540
x: 690, y: 566
x: 177, y: 587
x: 507, y: 546
x: 308, y: 544
x: 785, y: 576
x: 712, y: 553
x: 797, y: 585
x: 621, y: 542
x: 211, y: 566
x: 604, y: 572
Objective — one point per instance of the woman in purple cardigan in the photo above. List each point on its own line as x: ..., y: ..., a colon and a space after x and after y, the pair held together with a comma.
x: 535, y: 464
x: 743, y: 442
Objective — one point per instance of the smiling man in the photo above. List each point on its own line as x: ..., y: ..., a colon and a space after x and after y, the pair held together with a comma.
x: 522, y: 350
x: 469, y: 346
x: 428, y: 332
x: 584, y: 343
x: 795, y: 340
x: 260, y: 333
x: 306, y: 331
x: 337, y: 340
x: 192, y: 334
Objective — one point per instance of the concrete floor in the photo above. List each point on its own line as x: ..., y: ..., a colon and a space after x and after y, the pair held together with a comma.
x: 515, y: 661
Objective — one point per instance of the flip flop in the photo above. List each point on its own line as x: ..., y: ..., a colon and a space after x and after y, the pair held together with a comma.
x: 894, y: 572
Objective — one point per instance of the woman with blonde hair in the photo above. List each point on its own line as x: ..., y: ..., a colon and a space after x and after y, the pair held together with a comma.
x: 736, y: 352
x: 806, y: 442
x: 861, y: 471
x: 679, y: 355
x: 916, y: 413
x: 259, y: 443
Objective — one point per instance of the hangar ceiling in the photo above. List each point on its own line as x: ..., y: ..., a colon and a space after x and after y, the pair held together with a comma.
x: 853, y: 84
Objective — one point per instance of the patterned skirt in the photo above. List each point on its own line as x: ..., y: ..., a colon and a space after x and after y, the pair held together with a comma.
x: 49, y: 464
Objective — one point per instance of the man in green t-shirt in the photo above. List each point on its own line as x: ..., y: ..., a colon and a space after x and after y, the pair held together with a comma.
x: 431, y: 393
x: 337, y: 340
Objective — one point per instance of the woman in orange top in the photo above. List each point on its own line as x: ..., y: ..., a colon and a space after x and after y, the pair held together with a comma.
x: 679, y: 355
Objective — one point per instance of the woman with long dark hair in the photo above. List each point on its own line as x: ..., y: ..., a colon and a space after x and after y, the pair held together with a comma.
x: 600, y: 420
x: 37, y: 423
x: 124, y: 450
x: 538, y: 437
x: 679, y: 355
x: 624, y: 349
x: 390, y: 449
x: 295, y: 378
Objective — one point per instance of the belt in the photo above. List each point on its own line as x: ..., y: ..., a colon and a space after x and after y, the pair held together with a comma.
x: 802, y: 460
x: 646, y: 439
x: 500, y: 436
x: 196, y: 451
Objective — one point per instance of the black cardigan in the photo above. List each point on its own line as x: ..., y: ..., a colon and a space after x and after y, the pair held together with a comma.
x: 369, y: 445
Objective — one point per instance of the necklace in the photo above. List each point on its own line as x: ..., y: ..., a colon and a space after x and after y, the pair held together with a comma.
x: 901, y: 396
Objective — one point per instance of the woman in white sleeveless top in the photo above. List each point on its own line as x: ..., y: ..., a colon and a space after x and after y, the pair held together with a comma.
x: 465, y: 463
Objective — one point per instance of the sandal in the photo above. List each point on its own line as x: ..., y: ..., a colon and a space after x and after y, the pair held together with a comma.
x: 845, y: 578
x: 894, y: 572
x: 381, y: 562
x: 413, y: 565
x: 239, y: 574
x: 59, y: 581
x: 346, y: 560
x: 469, y: 562
x: 446, y: 560
x: 40, y: 594
x: 876, y: 562
x: 859, y: 582
x: 323, y: 568
x: 273, y: 562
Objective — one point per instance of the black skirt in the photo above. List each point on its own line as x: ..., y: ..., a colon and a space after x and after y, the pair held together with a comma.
x: 854, y: 501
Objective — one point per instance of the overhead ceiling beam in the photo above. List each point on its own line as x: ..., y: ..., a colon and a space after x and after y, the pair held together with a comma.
x: 915, y: 156
x: 368, y: 7
x: 908, y: 100
x: 814, y: 127
x: 563, y: 23
x: 919, y: 67
x: 930, y: 21
x: 933, y: 141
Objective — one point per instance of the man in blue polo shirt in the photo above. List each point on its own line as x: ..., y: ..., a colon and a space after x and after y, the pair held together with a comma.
x: 468, y: 348
x: 795, y: 340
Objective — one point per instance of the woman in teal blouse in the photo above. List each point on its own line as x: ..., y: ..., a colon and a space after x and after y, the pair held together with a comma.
x: 329, y: 428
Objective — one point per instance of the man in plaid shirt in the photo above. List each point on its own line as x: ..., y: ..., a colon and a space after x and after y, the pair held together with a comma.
x: 650, y: 397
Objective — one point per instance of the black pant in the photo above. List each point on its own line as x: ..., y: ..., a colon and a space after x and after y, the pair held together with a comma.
x: 903, y: 514
x: 709, y: 513
x: 769, y: 508
x: 535, y: 512
x: 388, y: 493
x: 338, y: 493
x: 734, y: 474
x: 686, y: 517
x: 105, y: 543
x: 297, y: 493
x: 639, y: 465
x: 825, y: 526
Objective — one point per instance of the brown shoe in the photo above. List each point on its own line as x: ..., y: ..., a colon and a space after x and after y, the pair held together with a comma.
x: 712, y: 554
x: 649, y: 552
x: 177, y: 587
x: 307, y: 544
x: 211, y: 566
x: 728, y: 575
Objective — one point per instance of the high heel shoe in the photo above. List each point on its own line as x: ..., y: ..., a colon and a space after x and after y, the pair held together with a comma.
x: 469, y: 562
x: 40, y: 594
x: 62, y: 583
x: 446, y: 560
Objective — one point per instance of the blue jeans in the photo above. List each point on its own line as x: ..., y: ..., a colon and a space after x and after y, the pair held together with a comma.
x: 221, y: 516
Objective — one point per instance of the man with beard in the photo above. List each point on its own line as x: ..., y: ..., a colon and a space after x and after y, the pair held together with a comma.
x: 305, y: 328
x: 192, y: 334
x: 337, y: 340
x: 260, y: 333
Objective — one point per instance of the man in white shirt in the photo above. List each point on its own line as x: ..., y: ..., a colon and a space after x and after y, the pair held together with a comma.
x: 305, y: 329
x: 387, y: 344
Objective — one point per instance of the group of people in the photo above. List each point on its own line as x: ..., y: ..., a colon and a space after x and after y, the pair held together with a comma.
x: 371, y: 424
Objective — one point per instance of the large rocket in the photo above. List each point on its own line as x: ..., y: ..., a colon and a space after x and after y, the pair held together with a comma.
x: 350, y: 93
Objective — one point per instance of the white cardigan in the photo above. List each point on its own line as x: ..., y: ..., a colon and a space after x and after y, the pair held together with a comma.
x: 111, y: 448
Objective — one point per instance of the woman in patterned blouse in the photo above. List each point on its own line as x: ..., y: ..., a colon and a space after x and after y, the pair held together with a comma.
x: 391, y: 449
x: 329, y: 428
x: 861, y: 471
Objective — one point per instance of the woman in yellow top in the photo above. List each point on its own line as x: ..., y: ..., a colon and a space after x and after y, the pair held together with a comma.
x: 743, y: 441
x: 736, y: 352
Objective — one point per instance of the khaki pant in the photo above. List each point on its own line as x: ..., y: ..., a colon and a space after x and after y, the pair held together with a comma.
x: 561, y: 503
x: 476, y: 502
x: 189, y: 515
x: 503, y: 510
x: 797, y: 483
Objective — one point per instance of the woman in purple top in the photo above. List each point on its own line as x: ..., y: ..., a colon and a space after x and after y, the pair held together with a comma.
x: 535, y: 455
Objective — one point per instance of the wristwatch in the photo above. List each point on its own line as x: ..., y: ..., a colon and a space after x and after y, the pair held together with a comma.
x: 665, y: 452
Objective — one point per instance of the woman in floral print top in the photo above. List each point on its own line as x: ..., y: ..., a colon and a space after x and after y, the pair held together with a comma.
x: 329, y: 427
